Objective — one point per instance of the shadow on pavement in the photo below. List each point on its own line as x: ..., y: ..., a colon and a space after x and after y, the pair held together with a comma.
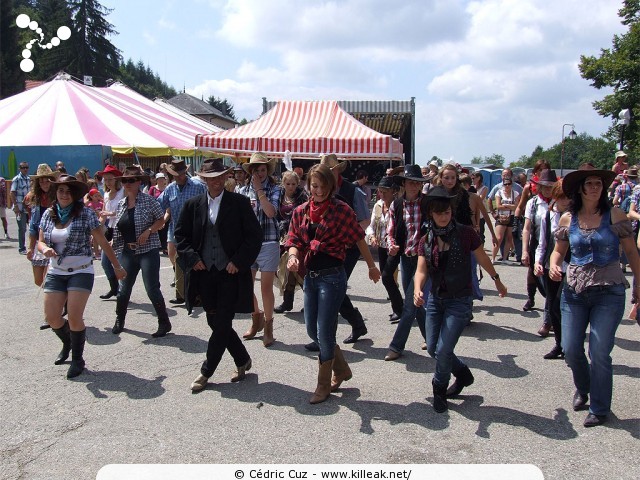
x: 631, y: 345
x: 633, y: 372
x: 505, y: 367
x: 557, y: 428
x: 487, y: 331
x: 135, y: 388
x: 95, y: 336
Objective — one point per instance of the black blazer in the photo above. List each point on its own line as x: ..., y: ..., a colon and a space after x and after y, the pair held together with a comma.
x: 240, y: 234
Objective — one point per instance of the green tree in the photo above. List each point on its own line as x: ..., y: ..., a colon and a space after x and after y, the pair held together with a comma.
x: 94, y: 54
x: 495, y: 159
x: 223, y: 105
x: 619, y: 68
x: 143, y: 80
x: 11, y: 77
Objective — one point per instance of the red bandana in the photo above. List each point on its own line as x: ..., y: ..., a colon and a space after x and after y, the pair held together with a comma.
x: 317, y: 210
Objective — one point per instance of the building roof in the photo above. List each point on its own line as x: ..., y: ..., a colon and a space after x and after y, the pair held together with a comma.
x: 195, y: 106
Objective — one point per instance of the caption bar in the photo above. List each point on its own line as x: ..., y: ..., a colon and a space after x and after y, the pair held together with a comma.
x: 319, y: 472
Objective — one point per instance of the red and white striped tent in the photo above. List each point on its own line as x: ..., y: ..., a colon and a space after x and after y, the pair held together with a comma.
x: 306, y: 130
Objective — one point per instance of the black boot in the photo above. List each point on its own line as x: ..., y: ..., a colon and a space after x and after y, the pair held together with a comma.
x: 439, y: 397
x: 121, y: 313
x: 77, y: 349
x: 287, y: 303
x: 531, y: 293
x: 64, y: 335
x: 358, y: 328
x: 113, y: 283
x: 464, y: 378
x: 164, y: 325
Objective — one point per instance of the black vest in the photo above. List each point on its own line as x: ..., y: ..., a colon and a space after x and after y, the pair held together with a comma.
x: 456, y: 274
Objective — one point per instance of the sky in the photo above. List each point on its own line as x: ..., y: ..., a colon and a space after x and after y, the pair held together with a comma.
x: 488, y: 76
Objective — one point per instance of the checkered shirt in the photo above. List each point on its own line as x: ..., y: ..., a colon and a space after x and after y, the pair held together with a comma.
x: 269, y: 225
x: 148, y: 211
x: 78, y: 242
x: 174, y: 198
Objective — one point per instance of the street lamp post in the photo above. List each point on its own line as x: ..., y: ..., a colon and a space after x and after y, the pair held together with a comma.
x: 572, y: 135
x: 624, y: 119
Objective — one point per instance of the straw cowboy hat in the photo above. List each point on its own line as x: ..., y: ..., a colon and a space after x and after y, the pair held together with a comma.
x: 331, y: 161
x: 134, y: 172
x: 73, y: 183
x: 259, y: 158
x: 177, y: 167
x: 44, y: 171
x: 573, y: 180
x: 110, y: 169
x: 547, y: 178
x: 212, y: 168
x: 620, y: 153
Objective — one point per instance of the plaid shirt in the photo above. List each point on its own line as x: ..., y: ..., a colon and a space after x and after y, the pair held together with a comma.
x: 269, y: 225
x: 174, y: 198
x: 412, y: 218
x: 78, y: 242
x: 338, y: 230
x: 20, y: 184
x: 148, y: 211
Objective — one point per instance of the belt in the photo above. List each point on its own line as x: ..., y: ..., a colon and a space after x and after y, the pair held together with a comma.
x: 81, y: 267
x: 325, y: 271
x: 132, y: 245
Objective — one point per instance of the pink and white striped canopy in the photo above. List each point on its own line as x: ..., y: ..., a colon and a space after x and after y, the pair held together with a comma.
x: 306, y: 129
x: 66, y: 112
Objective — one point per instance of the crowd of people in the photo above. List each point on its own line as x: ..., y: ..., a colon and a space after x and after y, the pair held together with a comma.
x: 307, y: 230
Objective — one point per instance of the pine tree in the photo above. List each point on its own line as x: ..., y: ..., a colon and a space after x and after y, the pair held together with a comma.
x: 11, y: 77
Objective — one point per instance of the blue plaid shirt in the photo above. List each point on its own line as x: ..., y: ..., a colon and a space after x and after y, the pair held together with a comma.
x: 147, y: 212
x: 269, y: 225
x: 20, y: 184
x: 173, y: 198
x: 78, y: 242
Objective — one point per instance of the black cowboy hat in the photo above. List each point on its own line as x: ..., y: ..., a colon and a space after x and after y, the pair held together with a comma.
x: 439, y: 193
x: 547, y: 178
x: 573, y: 180
x: 387, y: 182
x: 411, y: 172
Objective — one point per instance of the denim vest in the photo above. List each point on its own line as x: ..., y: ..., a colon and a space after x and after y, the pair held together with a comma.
x: 599, y: 247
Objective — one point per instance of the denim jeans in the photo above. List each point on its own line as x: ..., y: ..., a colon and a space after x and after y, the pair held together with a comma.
x: 409, y: 311
x: 322, y: 298
x: 22, y: 229
x: 109, y: 272
x: 600, y: 308
x: 446, y: 319
x: 149, y: 263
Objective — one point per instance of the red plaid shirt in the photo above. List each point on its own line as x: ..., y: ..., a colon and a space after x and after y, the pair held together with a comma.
x: 338, y: 230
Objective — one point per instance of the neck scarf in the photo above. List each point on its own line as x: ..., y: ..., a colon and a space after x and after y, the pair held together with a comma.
x: 548, y: 200
x: 317, y: 210
x: 64, y: 213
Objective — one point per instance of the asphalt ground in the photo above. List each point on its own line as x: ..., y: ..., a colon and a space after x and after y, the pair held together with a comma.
x: 133, y: 403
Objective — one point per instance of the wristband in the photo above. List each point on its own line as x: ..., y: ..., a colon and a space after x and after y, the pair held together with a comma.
x: 495, y: 277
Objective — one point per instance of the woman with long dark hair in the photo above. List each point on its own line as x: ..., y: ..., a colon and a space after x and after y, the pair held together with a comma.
x: 594, y: 292
x: 65, y: 231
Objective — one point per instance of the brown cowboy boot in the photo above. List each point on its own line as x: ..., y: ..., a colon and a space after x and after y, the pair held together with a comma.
x: 257, y: 324
x: 267, y: 337
x: 323, y: 390
x: 341, y: 370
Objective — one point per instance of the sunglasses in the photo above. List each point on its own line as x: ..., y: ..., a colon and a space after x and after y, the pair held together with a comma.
x: 129, y: 180
x: 24, y: 168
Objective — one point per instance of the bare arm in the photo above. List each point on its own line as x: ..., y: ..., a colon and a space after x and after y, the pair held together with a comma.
x: 419, y: 280
x: 374, y: 273
x: 559, y: 252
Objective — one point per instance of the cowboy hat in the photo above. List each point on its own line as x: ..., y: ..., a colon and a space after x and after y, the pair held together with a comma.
x: 439, y: 193
x: 411, y: 172
x: 620, y: 153
x: 134, y: 172
x: 213, y: 167
x: 110, y: 169
x: 331, y: 161
x: 574, y: 179
x: 632, y: 173
x: 73, y: 183
x: 259, y: 158
x: 547, y: 178
x: 387, y: 182
x: 44, y: 171
x: 177, y: 167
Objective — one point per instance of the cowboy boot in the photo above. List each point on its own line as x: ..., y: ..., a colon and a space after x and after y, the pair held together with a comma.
x: 323, y: 389
x: 439, y: 397
x: 464, y: 378
x: 113, y: 291
x: 164, y: 325
x: 341, y: 370
x: 121, y: 313
x: 64, y: 335
x: 267, y: 337
x: 287, y: 302
x: 257, y: 324
x: 77, y: 349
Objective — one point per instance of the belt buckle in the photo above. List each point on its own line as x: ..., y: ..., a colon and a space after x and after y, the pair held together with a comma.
x: 132, y: 245
x: 70, y: 270
x: 313, y: 274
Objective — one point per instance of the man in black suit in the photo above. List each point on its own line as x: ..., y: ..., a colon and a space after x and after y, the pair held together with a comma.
x: 218, y: 238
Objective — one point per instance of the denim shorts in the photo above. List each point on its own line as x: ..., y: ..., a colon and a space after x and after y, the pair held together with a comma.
x: 82, y: 282
x: 268, y: 258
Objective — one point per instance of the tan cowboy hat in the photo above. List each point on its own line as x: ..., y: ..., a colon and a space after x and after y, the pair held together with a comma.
x: 259, y: 158
x: 213, y: 167
x: 44, y: 171
x: 331, y: 161
x: 176, y: 167
x: 73, y: 183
